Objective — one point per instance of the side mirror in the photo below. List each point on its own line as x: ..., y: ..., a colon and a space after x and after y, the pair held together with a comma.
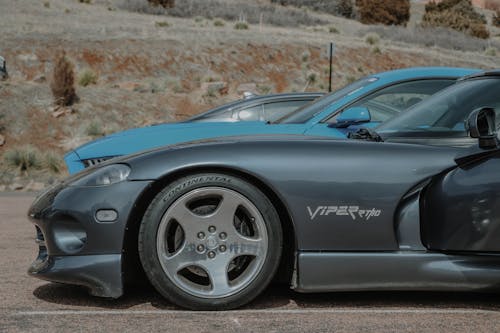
x: 351, y: 116
x: 481, y: 125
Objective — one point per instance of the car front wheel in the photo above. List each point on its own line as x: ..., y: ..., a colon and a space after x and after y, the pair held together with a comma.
x: 210, y: 242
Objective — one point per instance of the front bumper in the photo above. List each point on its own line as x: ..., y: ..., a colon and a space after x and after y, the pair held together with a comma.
x: 76, y: 248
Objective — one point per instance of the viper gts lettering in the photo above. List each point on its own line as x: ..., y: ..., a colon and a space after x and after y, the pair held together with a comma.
x: 353, y: 211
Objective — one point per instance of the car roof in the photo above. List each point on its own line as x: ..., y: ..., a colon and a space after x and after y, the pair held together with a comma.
x: 283, y: 95
x: 419, y: 72
x: 255, y: 99
x: 488, y: 73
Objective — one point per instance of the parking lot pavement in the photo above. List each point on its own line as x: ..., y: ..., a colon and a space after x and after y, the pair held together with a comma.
x: 28, y: 304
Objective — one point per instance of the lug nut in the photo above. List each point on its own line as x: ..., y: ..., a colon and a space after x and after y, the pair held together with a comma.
x: 200, y: 248
x: 211, y: 254
x: 201, y: 235
x: 222, y: 248
x: 252, y: 219
x: 211, y: 229
x: 222, y: 235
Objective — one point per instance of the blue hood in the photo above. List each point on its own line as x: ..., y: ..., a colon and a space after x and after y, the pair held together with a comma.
x: 138, y: 139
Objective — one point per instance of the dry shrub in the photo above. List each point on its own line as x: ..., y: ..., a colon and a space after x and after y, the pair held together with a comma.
x: 459, y: 15
x: 63, y: 81
x: 388, y: 12
x: 496, y: 19
x: 163, y: 3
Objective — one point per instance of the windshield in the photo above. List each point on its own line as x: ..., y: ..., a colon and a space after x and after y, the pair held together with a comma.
x: 303, y: 114
x: 447, y: 110
x: 223, y: 111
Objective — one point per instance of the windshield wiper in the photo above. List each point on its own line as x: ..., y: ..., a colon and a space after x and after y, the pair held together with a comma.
x: 366, y: 134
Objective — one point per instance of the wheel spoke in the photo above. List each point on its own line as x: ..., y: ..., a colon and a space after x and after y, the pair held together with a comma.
x: 189, y: 221
x: 224, y: 215
x: 185, y: 257
x: 217, y: 272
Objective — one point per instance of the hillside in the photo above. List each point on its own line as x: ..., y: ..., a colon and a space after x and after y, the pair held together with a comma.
x: 155, y: 68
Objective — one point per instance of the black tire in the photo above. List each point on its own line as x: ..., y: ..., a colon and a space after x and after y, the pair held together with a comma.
x: 148, y: 233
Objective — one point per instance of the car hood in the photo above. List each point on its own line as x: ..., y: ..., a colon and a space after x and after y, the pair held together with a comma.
x: 138, y: 139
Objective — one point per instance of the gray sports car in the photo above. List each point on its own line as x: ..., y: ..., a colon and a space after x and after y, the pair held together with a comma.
x: 211, y: 223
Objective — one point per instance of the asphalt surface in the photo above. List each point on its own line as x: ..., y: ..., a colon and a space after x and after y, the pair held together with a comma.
x: 28, y: 304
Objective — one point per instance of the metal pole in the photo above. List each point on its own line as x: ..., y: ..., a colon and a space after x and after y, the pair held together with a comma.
x: 331, y: 64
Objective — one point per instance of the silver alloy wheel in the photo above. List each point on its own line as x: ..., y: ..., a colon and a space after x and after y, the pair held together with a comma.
x: 212, y: 242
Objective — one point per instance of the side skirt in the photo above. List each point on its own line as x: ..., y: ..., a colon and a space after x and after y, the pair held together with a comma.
x: 405, y: 270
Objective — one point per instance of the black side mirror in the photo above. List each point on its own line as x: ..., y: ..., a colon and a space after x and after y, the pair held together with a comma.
x: 481, y: 125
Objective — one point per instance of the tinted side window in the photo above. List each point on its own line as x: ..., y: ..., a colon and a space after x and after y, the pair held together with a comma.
x: 249, y: 114
x: 387, y: 102
x: 277, y: 110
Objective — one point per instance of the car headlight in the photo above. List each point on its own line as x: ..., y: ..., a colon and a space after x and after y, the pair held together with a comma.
x: 110, y: 174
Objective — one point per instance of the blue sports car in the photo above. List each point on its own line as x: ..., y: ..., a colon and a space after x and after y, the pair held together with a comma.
x: 368, y: 101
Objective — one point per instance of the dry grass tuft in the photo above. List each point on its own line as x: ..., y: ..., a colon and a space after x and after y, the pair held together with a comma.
x: 372, y: 38
x: 25, y: 158
x: 241, y: 26
x: 87, y: 77
x: 63, y: 81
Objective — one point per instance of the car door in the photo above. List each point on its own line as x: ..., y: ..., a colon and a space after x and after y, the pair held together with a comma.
x: 461, y: 208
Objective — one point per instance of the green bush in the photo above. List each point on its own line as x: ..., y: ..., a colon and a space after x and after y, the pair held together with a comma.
x: 388, y: 12
x: 241, y: 26
x: 162, y: 24
x: 372, y: 38
x: 333, y: 30
x: 87, y: 77
x: 219, y: 23
x: 490, y: 51
x: 94, y: 129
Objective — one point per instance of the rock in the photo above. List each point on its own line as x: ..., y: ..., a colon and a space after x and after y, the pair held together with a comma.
x: 2, y: 140
x: 35, y: 186
x: 40, y: 79
x: 29, y: 59
x: 129, y: 86
x: 58, y: 113
x: 62, y: 111
x: 247, y: 87
x: 16, y: 187
x: 211, y: 88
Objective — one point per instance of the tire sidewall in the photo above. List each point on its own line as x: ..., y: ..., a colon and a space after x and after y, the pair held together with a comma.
x: 148, y: 235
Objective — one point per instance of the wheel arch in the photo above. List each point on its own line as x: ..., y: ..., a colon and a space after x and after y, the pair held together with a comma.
x: 131, y: 266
